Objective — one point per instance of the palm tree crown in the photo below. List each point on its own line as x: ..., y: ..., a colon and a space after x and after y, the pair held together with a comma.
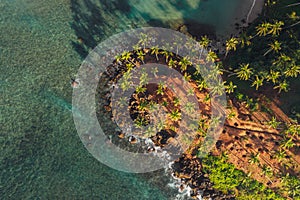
x: 244, y: 73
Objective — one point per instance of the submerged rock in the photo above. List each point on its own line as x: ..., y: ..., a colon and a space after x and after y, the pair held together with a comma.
x: 132, y: 140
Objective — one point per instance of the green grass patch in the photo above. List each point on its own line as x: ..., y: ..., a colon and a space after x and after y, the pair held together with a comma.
x: 228, y: 179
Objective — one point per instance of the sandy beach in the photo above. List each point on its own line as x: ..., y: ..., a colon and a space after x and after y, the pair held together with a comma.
x: 245, y: 13
x: 219, y: 16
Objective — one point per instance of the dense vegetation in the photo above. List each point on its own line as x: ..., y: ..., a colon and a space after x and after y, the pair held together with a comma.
x: 230, y: 180
x: 268, y: 53
x: 265, y: 54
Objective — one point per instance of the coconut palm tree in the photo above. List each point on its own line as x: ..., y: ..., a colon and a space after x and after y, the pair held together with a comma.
x: 282, y: 86
x: 250, y: 103
x: 293, y: 186
x: 139, y: 122
x: 160, y: 125
x: 150, y: 132
x: 126, y: 55
x: 240, y: 96
x: 184, y: 63
x: 276, y: 28
x: 127, y: 75
x: 244, y: 39
x: 215, y: 121
x: 280, y: 155
x: 172, y: 63
x: 160, y: 89
x: 293, y: 129
x: 207, y: 98
x: 198, y: 69
x: 275, y: 46
x: 231, y: 115
x: 144, y: 78
x: 218, y: 89
x: 257, y: 82
x: 155, y: 50
x: 119, y: 59
x: 231, y: 44
x: 143, y: 40
x: 176, y: 101
x: 153, y: 106
x: 186, y: 77
x: 123, y: 101
x: 244, y: 72
x: 190, y: 92
x: 293, y: 16
x: 154, y: 71
x: 129, y: 66
x: 282, y: 60
x: 287, y: 143
x: 136, y: 47
x: 263, y: 28
x: 204, y: 42
x: 193, y: 125
x: 230, y: 88
x: 167, y: 54
x: 211, y: 56
x: 266, y: 170
x: 125, y: 84
x: 175, y: 115
x: 203, y: 125
x: 273, y: 76
x: 189, y: 108
x: 165, y: 103
x: 141, y: 55
x: 273, y: 123
x: 214, y: 72
x: 189, y: 45
x: 140, y: 89
x: 177, y: 44
x: 143, y: 105
x: 254, y: 158
x: 292, y: 71
x: 201, y: 84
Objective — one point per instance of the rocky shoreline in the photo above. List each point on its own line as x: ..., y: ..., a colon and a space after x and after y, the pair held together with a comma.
x: 187, y: 169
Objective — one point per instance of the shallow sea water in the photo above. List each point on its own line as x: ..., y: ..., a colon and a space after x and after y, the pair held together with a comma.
x: 41, y: 153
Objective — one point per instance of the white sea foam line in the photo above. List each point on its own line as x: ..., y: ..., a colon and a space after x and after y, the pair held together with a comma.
x: 176, y: 182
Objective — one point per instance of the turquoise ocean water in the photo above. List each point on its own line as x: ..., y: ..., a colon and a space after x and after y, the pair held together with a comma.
x: 41, y: 155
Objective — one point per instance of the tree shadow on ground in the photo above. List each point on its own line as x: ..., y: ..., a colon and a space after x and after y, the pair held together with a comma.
x: 96, y: 20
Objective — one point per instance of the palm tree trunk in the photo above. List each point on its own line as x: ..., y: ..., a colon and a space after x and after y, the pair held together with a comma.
x: 268, y: 52
x: 294, y: 4
x: 202, y: 49
x: 294, y: 24
x: 226, y: 53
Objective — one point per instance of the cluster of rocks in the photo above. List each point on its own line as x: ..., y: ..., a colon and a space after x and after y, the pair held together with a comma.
x: 189, y: 170
x: 162, y: 137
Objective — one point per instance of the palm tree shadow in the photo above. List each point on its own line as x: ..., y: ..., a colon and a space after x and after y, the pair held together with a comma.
x: 95, y: 20
x: 91, y: 21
